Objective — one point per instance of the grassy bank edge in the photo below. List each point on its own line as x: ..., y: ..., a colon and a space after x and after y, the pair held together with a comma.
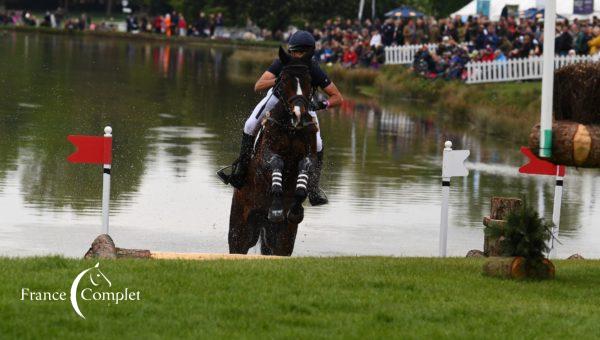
x: 335, y: 297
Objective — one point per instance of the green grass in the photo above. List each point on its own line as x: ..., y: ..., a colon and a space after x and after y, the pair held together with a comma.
x: 304, y: 297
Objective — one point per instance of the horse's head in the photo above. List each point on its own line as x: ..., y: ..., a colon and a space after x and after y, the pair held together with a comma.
x: 97, y: 277
x: 294, y: 90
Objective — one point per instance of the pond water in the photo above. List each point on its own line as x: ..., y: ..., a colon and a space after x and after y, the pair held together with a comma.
x: 177, y: 114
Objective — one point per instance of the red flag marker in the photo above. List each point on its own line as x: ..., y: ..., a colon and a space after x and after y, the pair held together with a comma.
x: 91, y: 149
x: 96, y: 150
x: 537, y: 166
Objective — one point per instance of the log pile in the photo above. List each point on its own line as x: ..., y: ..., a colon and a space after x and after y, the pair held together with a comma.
x: 517, y: 268
x: 576, y: 128
x: 500, y: 208
x: 573, y: 144
x: 576, y: 93
x: 104, y: 247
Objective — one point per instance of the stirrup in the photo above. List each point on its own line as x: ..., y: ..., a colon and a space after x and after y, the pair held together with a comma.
x: 225, y: 178
x: 317, y: 197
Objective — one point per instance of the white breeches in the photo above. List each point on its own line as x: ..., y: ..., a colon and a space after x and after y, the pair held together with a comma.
x: 265, y: 105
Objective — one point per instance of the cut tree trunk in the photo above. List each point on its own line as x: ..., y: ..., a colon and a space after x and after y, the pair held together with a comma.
x: 500, y: 208
x: 573, y: 144
x: 516, y: 268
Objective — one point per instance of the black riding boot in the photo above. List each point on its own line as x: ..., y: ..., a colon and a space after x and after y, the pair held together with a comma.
x: 316, y: 195
x: 240, y: 166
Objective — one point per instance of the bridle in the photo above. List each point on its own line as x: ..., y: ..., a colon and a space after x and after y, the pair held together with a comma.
x: 299, y: 100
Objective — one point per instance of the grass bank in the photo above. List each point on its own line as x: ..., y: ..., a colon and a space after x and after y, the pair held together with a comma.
x: 507, y: 110
x: 358, y: 297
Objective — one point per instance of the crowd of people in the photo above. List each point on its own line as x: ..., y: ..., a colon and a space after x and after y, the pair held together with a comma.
x: 479, y: 39
x: 356, y: 43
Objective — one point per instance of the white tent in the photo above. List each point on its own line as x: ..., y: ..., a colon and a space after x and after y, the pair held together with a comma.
x: 563, y: 7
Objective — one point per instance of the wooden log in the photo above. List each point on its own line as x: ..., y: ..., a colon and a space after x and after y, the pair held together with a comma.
x: 133, y: 253
x: 500, y: 208
x: 488, y: 222
x: 204, y: 256
x: 516, y: 268
x: 573, y: 144
x: 576, y: 93
x: 103, y: 247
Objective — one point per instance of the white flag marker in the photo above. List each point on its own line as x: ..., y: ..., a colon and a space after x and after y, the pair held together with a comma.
x: 452, y: 166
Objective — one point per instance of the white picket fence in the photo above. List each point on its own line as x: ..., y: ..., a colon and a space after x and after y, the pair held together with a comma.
x: 517, y: 69
x: 405, y: 54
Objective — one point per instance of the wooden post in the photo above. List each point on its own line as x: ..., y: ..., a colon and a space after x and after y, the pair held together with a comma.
x: 500, y: 208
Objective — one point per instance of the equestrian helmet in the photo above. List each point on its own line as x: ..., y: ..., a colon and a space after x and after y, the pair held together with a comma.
x: 301, y: 41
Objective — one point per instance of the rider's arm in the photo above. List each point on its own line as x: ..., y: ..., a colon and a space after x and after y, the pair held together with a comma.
x: 266, y: 81
x: 335, y: 97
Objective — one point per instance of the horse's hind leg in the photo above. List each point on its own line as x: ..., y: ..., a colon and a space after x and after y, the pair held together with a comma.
x: 243, y: 233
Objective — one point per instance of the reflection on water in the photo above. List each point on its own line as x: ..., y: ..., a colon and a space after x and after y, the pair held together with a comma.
x: 177, y: 114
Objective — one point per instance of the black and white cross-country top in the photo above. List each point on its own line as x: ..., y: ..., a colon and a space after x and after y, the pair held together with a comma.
x: 318, y: 77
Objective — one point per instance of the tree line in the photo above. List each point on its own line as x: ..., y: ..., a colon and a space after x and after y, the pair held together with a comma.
x: 271, y: 14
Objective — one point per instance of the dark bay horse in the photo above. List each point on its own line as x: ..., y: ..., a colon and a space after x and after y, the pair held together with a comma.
x: 269, y: 206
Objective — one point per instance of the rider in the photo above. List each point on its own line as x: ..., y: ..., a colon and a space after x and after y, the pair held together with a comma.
x: 300, y: 44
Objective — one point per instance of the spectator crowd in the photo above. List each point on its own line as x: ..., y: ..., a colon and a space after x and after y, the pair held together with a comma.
x: 354, y: 43
x: 479, y: 39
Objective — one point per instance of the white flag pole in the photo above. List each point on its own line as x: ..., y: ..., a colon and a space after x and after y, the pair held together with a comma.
x: 445, y: 198
x: 106, y: 187
x: 547, y: 79
x: 558, y: 191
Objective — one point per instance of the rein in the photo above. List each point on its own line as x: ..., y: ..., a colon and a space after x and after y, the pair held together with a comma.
x: 306, y: 102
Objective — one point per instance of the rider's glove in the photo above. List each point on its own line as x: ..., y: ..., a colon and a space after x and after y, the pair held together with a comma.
x: 322, y: 105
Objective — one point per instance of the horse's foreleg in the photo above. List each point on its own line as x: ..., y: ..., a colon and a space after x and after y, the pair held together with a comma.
x: 276, y: 210
x: 242, y: 233
x: 296, y: 212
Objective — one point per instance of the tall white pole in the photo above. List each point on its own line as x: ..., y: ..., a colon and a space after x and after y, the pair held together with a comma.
x: 558, y: 191
x: 548, y: 79
x: 372, y: 9
x: 445, y: 198
x: 106, y: 187
x: 361, y: 6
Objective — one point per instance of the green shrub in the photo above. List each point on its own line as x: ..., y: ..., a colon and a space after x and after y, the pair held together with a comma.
x: 526, y: 235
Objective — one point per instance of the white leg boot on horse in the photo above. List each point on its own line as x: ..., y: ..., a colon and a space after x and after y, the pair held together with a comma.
x: 316, y: 195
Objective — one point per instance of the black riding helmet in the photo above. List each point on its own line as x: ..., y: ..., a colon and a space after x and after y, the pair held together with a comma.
x: 301, y: 41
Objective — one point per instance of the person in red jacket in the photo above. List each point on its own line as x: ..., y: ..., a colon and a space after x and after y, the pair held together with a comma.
x: 182, y: 26
x: 350, y: 58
